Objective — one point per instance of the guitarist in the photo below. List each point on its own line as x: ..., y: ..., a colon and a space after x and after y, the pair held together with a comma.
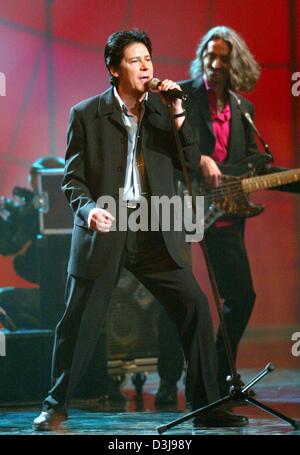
x: 223, y: 62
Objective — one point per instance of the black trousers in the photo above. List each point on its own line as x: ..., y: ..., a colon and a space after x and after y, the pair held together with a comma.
x: 228, y: 256
x: 176, y: 289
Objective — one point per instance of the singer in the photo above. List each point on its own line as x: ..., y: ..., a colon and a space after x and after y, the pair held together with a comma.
x: 123, y: 139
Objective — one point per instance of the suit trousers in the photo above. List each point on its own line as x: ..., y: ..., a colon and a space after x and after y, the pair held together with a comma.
x: 146, y: 256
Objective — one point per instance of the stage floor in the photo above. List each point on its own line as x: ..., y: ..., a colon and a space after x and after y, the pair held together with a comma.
x: 280, y: 390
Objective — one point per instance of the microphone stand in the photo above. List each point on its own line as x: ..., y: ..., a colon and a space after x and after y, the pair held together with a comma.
x: 237, y: 391
x: 251, y: 123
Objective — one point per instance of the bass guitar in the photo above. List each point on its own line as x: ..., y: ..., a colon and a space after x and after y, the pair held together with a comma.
x: 231, y: 198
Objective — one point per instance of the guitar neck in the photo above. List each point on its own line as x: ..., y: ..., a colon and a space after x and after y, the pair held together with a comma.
x: 249, y: 185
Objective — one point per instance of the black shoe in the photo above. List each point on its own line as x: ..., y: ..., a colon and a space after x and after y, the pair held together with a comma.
x: 167, y: 393
x: 49, y: 420
x: 220, y: 418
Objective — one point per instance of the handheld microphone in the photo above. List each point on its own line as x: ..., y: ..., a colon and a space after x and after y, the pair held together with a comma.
x: 154, y: 83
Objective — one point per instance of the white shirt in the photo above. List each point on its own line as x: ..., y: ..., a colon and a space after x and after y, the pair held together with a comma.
x: 132, y: 184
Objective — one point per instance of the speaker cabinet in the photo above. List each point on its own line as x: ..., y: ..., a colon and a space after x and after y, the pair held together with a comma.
x: 132, y: 321
x: 52, y: 256
x: 25, y: 369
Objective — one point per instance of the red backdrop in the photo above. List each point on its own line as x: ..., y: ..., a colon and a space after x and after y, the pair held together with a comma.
x: 51, y: 52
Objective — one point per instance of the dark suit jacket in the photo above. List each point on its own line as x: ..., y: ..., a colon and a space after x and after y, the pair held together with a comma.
x: 241, y: 138
x: 96, y: 164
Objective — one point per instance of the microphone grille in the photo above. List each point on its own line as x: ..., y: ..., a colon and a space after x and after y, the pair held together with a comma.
x: 153, y: 83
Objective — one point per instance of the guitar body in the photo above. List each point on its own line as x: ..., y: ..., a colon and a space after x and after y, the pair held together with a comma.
x: 229, y: 199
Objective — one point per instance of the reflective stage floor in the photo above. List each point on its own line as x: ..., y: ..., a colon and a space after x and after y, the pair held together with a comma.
x: 135, y: 417
x: 139, y: 416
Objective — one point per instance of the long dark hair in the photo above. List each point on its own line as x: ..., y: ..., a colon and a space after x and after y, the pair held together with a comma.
x: 115, y: 45
x: 244, y: 71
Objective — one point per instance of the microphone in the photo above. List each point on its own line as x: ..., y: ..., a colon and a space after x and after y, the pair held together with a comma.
x: 154, y: 83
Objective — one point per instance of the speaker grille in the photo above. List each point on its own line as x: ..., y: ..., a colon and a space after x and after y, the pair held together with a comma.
x: 132, y: 321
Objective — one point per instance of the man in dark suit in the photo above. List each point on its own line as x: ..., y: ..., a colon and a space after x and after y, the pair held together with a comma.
x: 124, y: 139
x: 223, y: 62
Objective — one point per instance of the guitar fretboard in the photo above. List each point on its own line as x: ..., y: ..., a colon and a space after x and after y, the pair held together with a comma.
x: 269, y: 181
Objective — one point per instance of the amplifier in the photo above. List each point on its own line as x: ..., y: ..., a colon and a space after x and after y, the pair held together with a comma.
x: 132, y: 321
x: 55, y: 214
x: 25, y: 369
x: 52, y: 258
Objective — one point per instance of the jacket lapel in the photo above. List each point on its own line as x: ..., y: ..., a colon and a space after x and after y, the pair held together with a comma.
x: 234, y: 130
x: 108, y: 107
x: 201, y: 106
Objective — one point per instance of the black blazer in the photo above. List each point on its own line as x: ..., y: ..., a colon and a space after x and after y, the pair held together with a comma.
x: 241, y: 138
x: 96, y: 164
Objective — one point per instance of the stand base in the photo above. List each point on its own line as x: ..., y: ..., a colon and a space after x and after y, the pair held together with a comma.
x: 235, y: 395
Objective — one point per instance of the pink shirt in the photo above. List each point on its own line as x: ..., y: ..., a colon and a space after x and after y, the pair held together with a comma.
x: 220, y: 124
x: 221, y: 128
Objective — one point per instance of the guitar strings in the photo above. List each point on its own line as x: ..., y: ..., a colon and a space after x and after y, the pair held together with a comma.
x: 235, y: 187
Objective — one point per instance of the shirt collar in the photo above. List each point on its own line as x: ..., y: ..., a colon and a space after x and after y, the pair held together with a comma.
x: 120, y: 102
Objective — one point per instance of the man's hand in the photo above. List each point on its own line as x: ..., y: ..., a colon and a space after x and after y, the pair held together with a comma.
x: 210, y: 171
x: 100, y: 220
x: 175, y: 103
